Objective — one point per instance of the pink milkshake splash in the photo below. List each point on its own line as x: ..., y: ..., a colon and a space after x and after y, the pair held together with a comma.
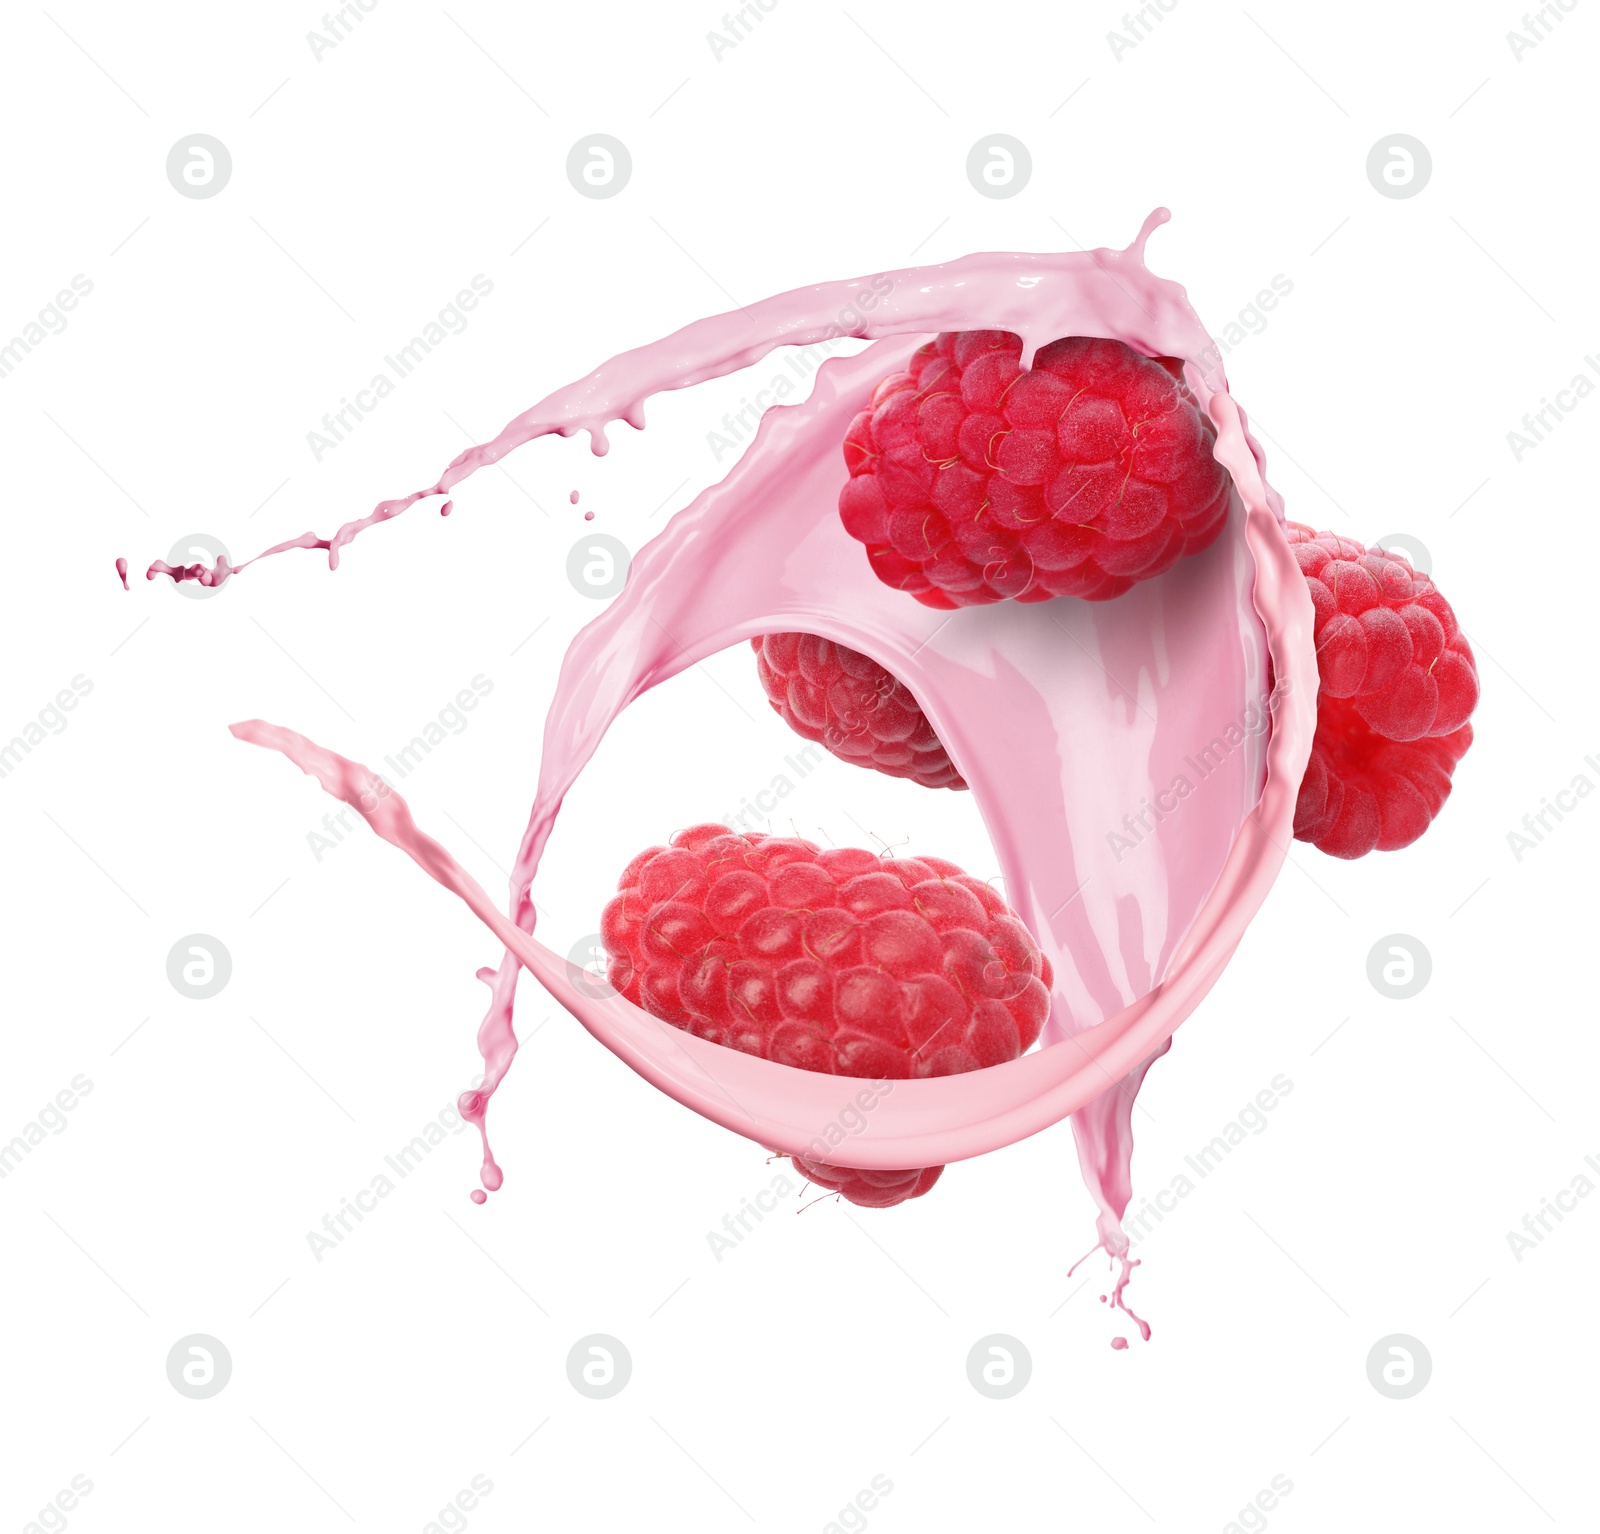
x: 1072, y: 722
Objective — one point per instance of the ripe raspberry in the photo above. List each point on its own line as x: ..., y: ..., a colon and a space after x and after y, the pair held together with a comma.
x: 836, y: 961
x: 972, y: 481
x: 1386, y: 638
x: 1397, y: 683
x: 1362, y: 793
x: 873, y: 1190
x: 852, y: 707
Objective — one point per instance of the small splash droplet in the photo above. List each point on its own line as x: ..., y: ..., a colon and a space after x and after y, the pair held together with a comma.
x: 122, y: 572
x: 1119, y: 1343
x: 478, y: 1196
x: 447, y: 508
x: 573, y: 497
x: 588, y: 516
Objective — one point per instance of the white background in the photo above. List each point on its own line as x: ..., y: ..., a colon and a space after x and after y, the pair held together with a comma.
x: 768, y: 1388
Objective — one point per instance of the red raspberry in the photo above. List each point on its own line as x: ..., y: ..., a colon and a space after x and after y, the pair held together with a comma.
x: 852, y: 707
x: 874, y: 1190
x: 1386, y: 638
x: 837, y: 961
x: 1397, y: 683
x: 1362, y: 793
x: 972, y: 481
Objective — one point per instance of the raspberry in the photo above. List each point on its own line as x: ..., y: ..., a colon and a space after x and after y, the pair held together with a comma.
x: 1363, y: 793
x: 972, y: 481
x: 874, y: 1190
x: 1386, y: 638
x: 1397, y: 683
x: 852, y: 707
x: 831, y: 960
